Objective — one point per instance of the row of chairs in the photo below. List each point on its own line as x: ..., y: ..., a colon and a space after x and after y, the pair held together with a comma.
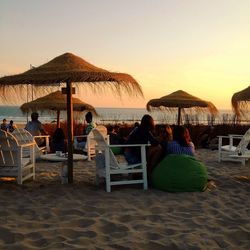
x: 19, y: 150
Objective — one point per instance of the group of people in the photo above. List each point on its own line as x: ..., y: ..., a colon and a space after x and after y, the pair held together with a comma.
x: 8, y: 127
x: 35, y: 127
x: 169, y: 141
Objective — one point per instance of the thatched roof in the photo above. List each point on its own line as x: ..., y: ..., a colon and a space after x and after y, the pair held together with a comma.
x: 181, y: 99
x: 241, y: 101
x: 56, y: 101
x: 71, y: 68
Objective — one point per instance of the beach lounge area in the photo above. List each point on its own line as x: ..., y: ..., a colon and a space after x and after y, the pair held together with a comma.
x: 45, y: 214
x: 125, y: 125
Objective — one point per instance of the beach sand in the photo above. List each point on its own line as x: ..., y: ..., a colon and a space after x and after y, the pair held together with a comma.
x: 44, y: 214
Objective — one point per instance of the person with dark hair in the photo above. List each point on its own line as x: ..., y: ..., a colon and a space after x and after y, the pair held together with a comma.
x: 4, y: 125
x: 90, y: 124
x: 181, y: 143
x: 58, y: 140
x: 35, y: 127
x: 114, y: 135
x: 143, y: 134
x: 80, y: 143
x: 11, y: 127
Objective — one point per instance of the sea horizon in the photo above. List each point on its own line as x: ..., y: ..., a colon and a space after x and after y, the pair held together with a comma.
x: 109, y: 115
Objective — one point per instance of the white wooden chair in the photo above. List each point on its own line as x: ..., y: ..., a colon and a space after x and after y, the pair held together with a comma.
x: 89, y: 148
x: 225, y: 152
x: 23, y: 136
x: 109, y: 165
x: 12, y: 161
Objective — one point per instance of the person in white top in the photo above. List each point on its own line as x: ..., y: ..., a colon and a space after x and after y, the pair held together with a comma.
x: 35, y: 127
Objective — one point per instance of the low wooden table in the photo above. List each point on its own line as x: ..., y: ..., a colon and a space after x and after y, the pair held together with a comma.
x: 244, y: 156
x: 57, y: 158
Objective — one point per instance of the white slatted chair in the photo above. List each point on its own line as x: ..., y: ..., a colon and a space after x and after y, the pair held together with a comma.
x: 109, y: 165
x: 23, y: 136
x: 224, y: 151
x: 89, y: 148
x: 12, y: 161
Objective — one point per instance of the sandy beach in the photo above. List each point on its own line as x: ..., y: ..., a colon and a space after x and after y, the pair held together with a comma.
x: 44, y: 214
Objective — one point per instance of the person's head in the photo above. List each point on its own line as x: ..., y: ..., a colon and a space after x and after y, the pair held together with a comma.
x: 34, y: 116
x: 166, y: 133
x: 110, y: 129
x: 137, y: 124
x: 181, y: 135
x: 88, y: 117
x: 11, y: 122
x: 4, y: 120
x: 116, y: 128
x: 147, y: 122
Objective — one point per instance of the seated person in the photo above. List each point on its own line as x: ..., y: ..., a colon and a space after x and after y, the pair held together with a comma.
x: 4, y: 125
x: 35, y: 127
x: 11, y: 126
x: 114, y: 136
x: 181, y: 143
x: 58, y: 141
x: 81, y: 143
x: 143, y: 135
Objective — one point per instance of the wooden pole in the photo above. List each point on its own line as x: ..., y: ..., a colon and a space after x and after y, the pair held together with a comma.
x: 70, y: 131
x: 58, y: 119
x: 179, y: 115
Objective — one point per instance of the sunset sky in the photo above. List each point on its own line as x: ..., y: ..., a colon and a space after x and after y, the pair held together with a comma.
x: 199, y: 46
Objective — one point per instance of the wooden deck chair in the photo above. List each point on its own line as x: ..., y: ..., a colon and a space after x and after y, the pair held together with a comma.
x: 89, y: 147
x: 23, y: 136
x: 224, y: 151
x: 111, y: 166
x: 12, y: 162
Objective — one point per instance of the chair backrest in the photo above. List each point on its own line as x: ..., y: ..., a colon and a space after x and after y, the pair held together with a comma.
x: 91, y: 140
x: 245, y: 140
x: 8, y: 149
x: 23, y: 136
x: 102, y: 147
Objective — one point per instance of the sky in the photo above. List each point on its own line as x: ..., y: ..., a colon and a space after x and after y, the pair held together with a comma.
x: 199, y: 46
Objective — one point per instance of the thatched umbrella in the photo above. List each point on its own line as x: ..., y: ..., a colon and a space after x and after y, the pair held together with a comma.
x: 181, y: 100
x: 56, y: 101
x: 69, y: 69
x: 241, y: 101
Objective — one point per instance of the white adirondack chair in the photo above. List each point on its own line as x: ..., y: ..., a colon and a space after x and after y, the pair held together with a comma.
x: 12, y: 161
x: 23, y: 136
x: 225, y: 152
x: 89, y: 148
x: 109, y: 165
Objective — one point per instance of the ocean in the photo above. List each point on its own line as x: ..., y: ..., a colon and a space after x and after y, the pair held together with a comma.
x: 116, y: 115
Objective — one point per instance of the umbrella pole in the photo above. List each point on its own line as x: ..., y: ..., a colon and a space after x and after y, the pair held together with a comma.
x: 179, y: 116
x: 70, y: 131
x: 58, y: 119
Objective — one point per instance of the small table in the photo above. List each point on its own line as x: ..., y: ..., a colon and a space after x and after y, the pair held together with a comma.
x: 244, y: 156
x: 57, y: 158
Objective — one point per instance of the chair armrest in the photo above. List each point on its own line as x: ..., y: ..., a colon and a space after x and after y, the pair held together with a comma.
x: 27, y: 144
x: 223, y: 136
x: 234, y: 136
x: 41, y: 136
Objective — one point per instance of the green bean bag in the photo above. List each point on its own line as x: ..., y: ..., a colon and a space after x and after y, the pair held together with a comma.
x: 180, y: 173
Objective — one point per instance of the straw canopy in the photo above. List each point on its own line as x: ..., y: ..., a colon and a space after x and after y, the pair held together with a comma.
x: 56, y: 101
x: 241, y: 101
x: 181, y: 100
x: 69, y: 69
